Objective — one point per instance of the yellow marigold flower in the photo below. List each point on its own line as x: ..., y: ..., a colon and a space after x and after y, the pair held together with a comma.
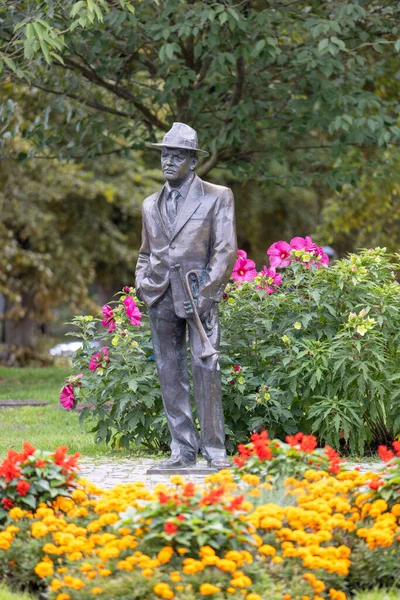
x: 207, y: 589
x: 16, y: 513
x: 38, y: 530
x: 234, y: 555
x: 271, y: 523
x: 255, y: 493
x: 55, y: 585
x: 44, y: 569
x: 210, y: 560
x: 247, y: 557
x: 277, y: 559
x: 257, y: 540
x: 177, y: 480
x: 231, y: 590
x: 4, y: 544
x: 79, y: 495
x: 63, y: 597
x: 182, y: 550
x: 85, y: 567
x: 337, y: 594
x: 91, y: 574
x: 305, y: 598
x: 179, y: 588
x: 12, y: 529
x: 105, y: 572
x: 96, y: 590
x: 206, y: 551
x: 124, y: 531
x: 226, y: 565
x: 241, y: 582
x: 251, y: 479
x: 395, y: 510
x: 253, y: 597
x: 147, y: 573
x: 165, y: 555
x: 267, y: 550
x: 124, y: 565
x: 175, y: 576
x: 163, y: 590
x: 286, y: 597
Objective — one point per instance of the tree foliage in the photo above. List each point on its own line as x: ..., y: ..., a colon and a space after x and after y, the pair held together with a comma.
x: 258, y: 79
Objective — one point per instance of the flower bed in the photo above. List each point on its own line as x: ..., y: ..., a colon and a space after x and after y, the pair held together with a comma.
x: 334, y: 534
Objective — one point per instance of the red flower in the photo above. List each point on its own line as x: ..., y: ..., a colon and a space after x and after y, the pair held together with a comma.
x: 60, y: 458
x: 396, y: 446
x: 23, y: 487
x: 188, y: 490
x: 212, y: 497
x: 181, y: 517
x: 263, y: 452
x: 170, y: 528
x: 163, y: 498
x: 40, y: 463
x: 9, y: 469
x: 237, y: 368
x: 308, y: 443
x: 126, y: 289
x: 7, y: 503
x: 239, y: 462
x: 385, y: 454
x: 294, y: 440
x: 236, y: 503
x: 27, y: 451
x: 375, y: 484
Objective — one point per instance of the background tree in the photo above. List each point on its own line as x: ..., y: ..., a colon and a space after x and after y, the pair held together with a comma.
x: 259, y: 79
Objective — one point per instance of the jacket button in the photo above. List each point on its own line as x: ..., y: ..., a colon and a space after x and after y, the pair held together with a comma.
x: 173, y: 246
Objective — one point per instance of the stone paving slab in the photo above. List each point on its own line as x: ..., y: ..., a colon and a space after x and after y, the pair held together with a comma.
x: 109, y: 472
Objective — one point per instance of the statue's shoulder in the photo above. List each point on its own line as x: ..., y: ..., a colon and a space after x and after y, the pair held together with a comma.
x: 148, y: 202
x: 218, y: 190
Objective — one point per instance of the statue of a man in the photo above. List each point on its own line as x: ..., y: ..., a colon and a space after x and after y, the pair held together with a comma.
x: 188, y: 225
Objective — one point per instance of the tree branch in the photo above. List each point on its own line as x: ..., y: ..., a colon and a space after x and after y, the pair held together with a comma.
x: 91, y: 103
x: 118, y: 90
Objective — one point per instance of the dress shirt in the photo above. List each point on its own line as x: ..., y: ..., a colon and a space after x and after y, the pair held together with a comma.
x: 183, y: 190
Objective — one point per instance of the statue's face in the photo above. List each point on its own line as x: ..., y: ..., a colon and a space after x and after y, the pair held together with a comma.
x: 176, y: 163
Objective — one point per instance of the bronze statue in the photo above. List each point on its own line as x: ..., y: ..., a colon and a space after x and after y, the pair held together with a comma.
x: 185, y: 261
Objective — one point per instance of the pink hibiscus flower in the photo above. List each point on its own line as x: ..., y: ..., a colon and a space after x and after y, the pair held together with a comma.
x: 132, y: 312
x: 100, y: 359
x: 67, y: 397
x: 109, y: 318
x: 299, y: 243
x: 269, y: 277
x: 279, y: 254
x: 244, y: 270
x: 241, y: 254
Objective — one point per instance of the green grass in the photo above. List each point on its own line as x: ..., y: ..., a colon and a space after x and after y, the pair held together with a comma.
x: 32, y: 383
x: 47, y: 427
x: 7, y: 594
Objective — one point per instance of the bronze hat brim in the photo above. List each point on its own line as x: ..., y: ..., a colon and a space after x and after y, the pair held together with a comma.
x: 160, y: 146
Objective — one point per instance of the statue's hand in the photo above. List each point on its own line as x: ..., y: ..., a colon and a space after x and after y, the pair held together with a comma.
x: 188, y: 308
x: 204, y: 305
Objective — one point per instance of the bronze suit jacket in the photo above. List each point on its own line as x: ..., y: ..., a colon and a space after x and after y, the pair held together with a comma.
x: 203, y: 239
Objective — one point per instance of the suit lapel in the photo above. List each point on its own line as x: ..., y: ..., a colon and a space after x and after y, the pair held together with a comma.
x: 192, y: 202
x: 157, y: 213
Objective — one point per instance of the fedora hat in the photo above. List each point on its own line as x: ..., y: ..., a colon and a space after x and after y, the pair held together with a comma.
x: 181, y: 136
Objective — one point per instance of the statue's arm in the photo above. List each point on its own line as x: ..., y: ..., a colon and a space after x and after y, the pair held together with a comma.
x: 223, y: 249
x: 144, y: 254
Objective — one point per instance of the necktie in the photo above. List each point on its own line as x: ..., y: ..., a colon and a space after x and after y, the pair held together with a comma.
x: 172, y: 205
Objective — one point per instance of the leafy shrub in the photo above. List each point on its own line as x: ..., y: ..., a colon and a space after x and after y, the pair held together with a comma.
x: 313, y: 348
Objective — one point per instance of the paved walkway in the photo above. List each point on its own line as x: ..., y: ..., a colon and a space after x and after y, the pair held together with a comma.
x: 109, y: 472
